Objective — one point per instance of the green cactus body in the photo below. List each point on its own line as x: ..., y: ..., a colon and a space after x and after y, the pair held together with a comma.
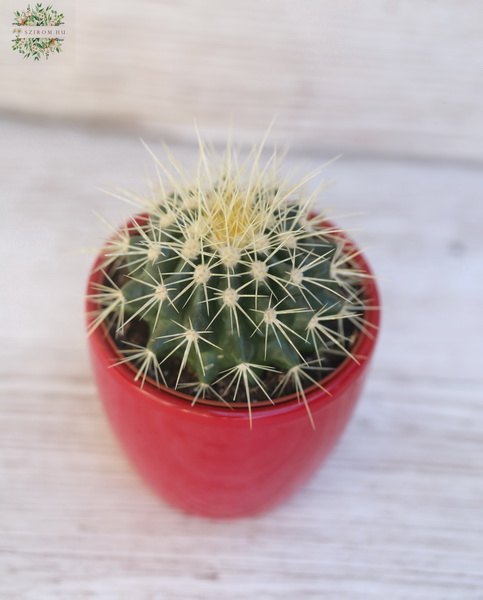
x: 233, y: 281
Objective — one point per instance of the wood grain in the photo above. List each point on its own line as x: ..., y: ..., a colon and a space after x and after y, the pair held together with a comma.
x: 395, y: 513
x: 385, y: 77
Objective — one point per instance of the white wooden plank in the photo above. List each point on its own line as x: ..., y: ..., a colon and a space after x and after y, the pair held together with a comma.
x: 383, y: 77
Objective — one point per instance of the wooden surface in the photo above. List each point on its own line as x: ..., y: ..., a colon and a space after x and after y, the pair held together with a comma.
x: 397, y: 510
x: 388, y: 76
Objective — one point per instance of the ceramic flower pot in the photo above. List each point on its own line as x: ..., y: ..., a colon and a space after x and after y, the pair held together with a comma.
x: 205, y: 458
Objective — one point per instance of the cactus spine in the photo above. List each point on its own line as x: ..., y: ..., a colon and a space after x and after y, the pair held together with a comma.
x: 231, y: 282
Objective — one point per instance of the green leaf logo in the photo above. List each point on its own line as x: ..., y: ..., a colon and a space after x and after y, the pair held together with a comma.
x: 39, y: 17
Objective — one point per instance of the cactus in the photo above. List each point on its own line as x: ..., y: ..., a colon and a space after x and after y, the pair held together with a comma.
x: 228, y: 285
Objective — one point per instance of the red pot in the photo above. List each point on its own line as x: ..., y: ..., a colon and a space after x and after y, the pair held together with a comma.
x: 206, y: 459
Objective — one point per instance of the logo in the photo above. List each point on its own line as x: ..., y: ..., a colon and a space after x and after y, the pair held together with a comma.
x: 39, y: 32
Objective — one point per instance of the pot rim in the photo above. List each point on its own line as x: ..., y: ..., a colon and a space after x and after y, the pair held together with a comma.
x: 331, y: 384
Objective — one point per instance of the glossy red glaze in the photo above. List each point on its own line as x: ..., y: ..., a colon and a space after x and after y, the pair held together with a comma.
x: 206, y: 459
